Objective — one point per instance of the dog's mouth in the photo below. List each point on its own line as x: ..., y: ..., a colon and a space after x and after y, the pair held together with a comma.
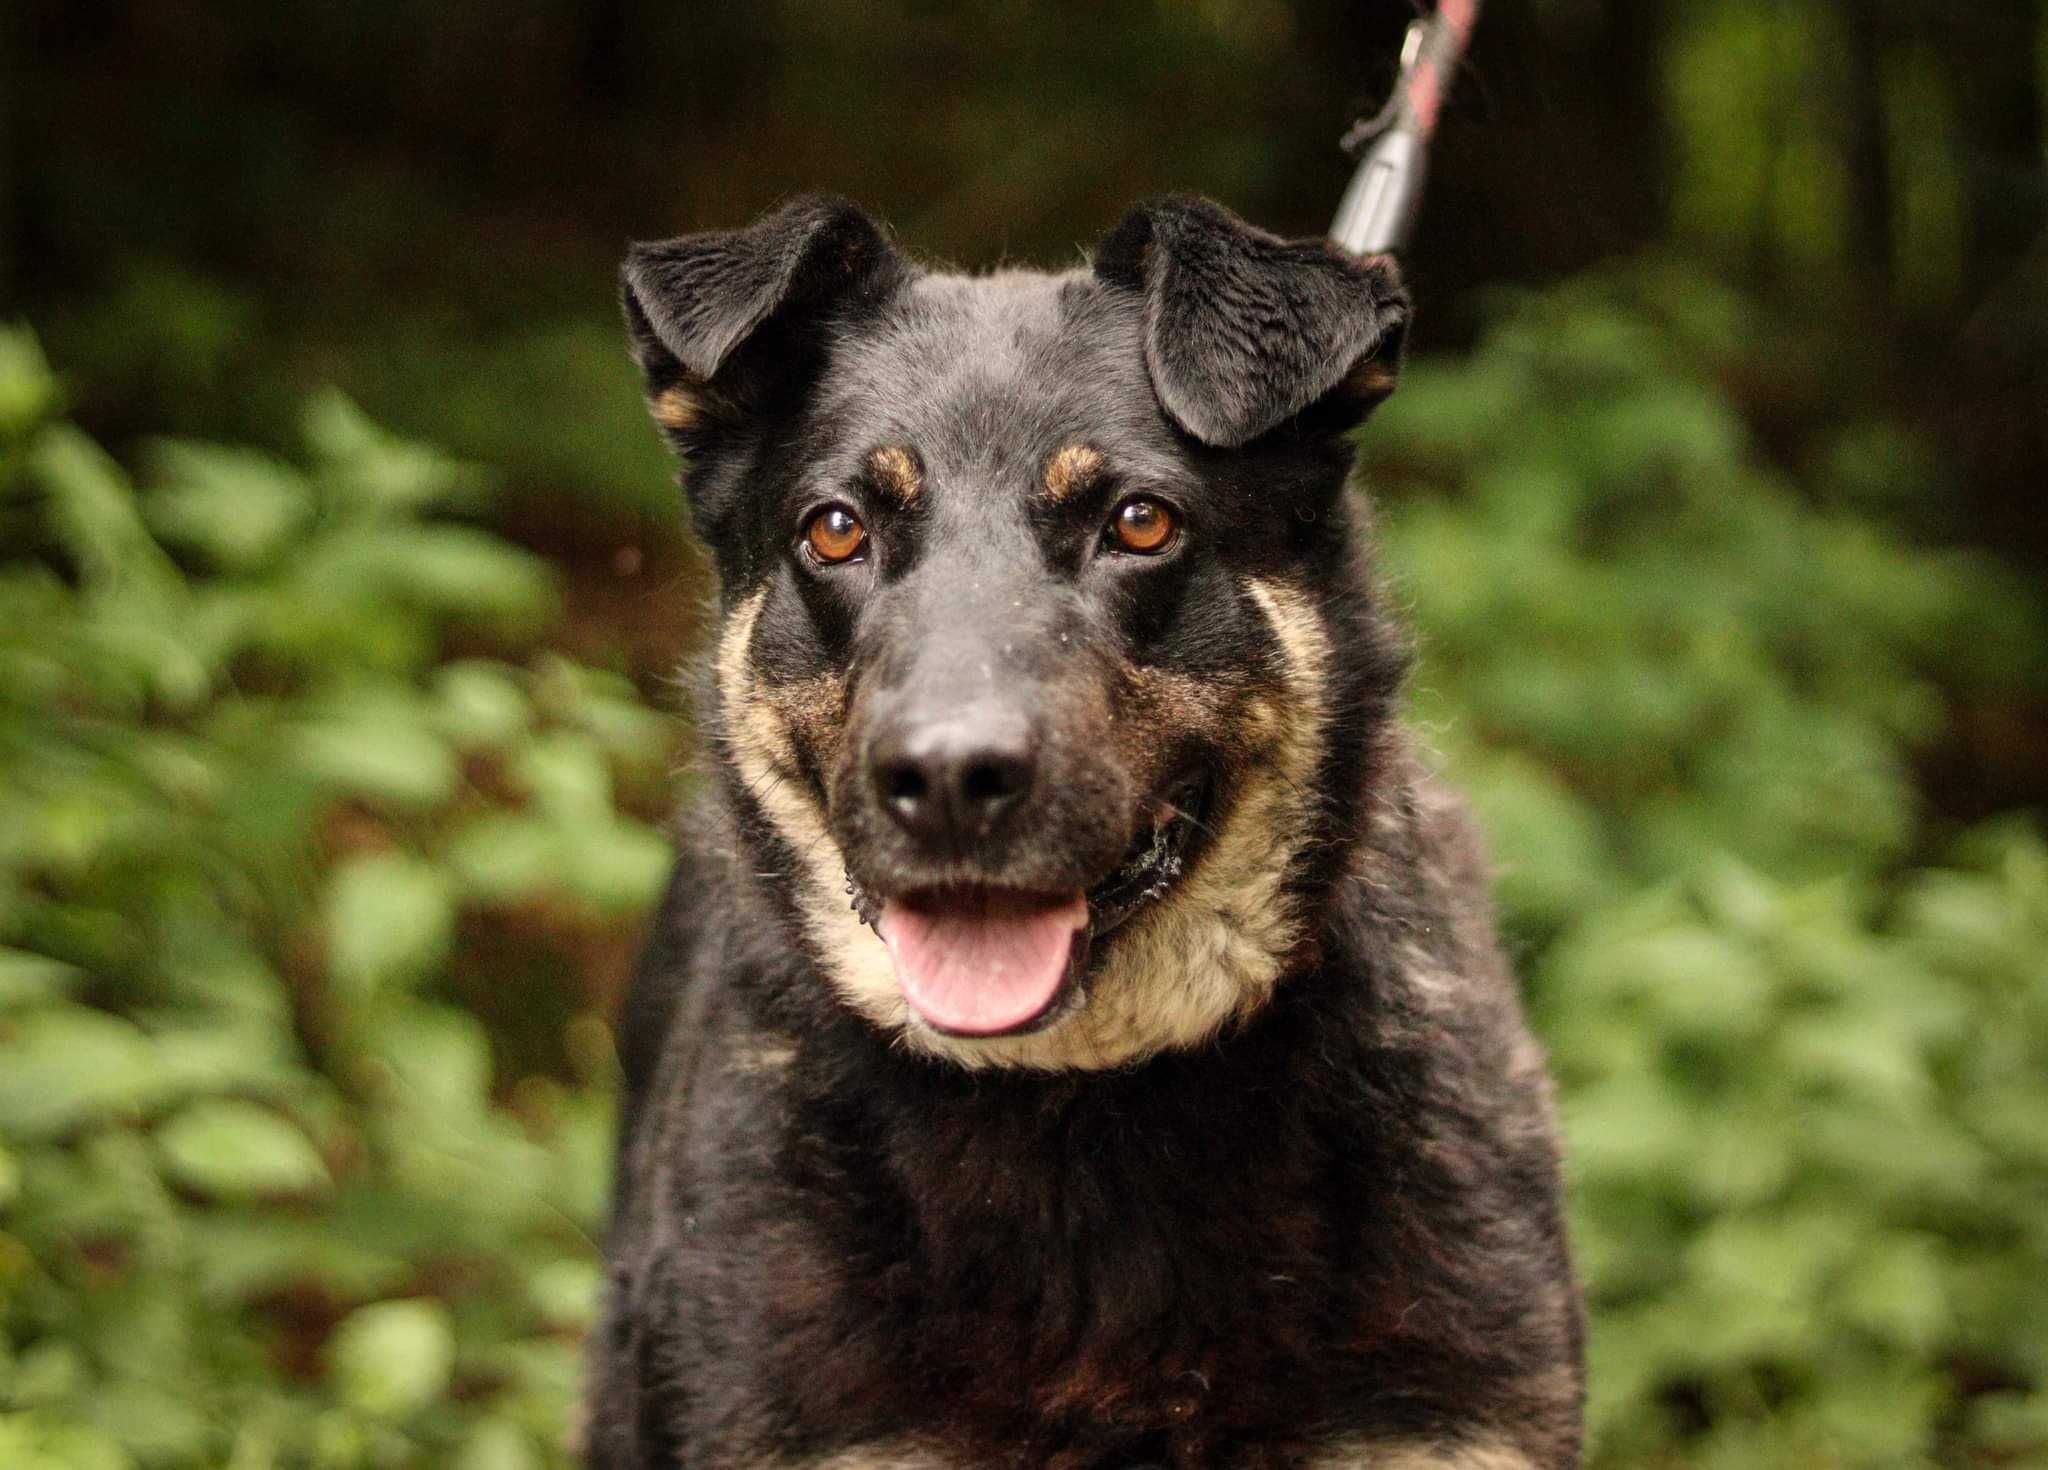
x: 983, y: 960
x: 1156, y: 858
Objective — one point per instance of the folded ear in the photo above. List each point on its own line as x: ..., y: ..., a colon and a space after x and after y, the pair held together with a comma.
x: 1244, y: 330
x: 693, y: 304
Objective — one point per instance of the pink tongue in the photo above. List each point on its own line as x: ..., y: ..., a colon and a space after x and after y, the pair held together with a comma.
x: 979, y: 966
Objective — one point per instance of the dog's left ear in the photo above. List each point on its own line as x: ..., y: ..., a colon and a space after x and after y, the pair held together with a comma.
x: 716, y: 320
x: 1244, y: 330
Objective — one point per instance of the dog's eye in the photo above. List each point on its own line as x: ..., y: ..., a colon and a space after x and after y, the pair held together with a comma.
x: 835, y: 535
x: 1143, y: 526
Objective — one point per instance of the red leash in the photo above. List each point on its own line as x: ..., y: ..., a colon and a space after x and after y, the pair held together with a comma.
x: 1379, y: 205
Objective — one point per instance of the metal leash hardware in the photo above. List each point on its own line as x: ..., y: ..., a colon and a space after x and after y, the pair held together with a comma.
x: 1379, y: 205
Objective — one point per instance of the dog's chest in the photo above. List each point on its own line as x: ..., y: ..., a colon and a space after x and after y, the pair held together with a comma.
x: 1096, y: 1284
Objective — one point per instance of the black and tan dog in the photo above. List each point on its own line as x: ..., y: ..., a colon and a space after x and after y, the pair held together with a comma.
x: 1075, y: 1035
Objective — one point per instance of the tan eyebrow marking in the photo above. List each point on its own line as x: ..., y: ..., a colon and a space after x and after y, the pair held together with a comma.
x: 1072, y: 468
x: 896, y: 470
x: 676, y: 407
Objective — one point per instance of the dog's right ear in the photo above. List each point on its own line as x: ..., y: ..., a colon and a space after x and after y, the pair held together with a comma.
x: 710, y: 315
x: 1244, y: 330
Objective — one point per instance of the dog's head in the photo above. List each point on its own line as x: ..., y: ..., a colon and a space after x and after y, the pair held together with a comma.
x: 1046, y: 662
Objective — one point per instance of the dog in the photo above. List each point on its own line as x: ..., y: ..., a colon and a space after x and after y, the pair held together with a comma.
x: 1074, y: 1035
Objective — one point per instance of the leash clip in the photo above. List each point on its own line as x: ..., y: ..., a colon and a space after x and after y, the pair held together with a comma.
x: 1379, y: 204
x: 1365, y: 129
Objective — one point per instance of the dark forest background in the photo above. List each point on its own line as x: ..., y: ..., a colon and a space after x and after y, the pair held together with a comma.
x: 343, y: 586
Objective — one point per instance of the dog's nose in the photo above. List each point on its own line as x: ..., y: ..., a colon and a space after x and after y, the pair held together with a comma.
x: 947, y: 782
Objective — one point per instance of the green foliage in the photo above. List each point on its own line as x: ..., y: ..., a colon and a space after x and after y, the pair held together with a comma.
x: 297, y: 1169
x: 1805, y: 1087
x: 315, y: 861
x: 277, y: 740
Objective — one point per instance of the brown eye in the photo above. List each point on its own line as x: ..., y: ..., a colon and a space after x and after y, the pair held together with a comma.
x: 833, y: 535
x: 1143, y: 526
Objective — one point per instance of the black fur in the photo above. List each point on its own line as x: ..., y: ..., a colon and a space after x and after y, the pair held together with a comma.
x: 1243, y: 331
x: 1331, y: 1224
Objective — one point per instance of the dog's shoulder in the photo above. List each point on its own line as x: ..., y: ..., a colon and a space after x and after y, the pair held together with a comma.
x: 1427, y: 987
x: 1421, y: 878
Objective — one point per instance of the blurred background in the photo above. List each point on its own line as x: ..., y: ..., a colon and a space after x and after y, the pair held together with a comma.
x: 343, y: 591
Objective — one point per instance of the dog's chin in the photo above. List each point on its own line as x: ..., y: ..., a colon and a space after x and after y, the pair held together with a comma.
x: 986, y: 960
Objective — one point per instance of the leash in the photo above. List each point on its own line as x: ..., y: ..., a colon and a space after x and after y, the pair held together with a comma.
x: 1379, y: 204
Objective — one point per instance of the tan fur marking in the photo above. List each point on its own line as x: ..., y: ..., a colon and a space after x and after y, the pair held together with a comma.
x: 1210, y: 952
x: 1157, y: 703
x: 759, y: 743
x: 1372, y: 380
x: 883, y: 1457
x: 1184, y: 968
x: 1483, y: 1455
x: 895, y: 469
x: 765, y: 1056
x: 1072, y: 469
x: 813, y: 712
x: 677, y: 407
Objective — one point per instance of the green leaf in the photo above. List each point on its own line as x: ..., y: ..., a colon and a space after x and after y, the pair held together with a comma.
x: 254, y: 1254
x: 390, y: 920
x: 236, y: 506
x: 480, y: 705
x: 497, y: 1444
x: 94, y: 511
x: 620, y: 866
x: 367, y: 472
x: 565, y: 774
x: 237, y: 1150
x: 28, y: 389
x: 44, y: 1441
x: 69, y: 1066
x: 26, y: 979
x: 377, y: 750
x: 1897, y: 1289
x: 565, y: 1292
x: 394, y: 1358
x: 470, y: 573
x: 439, y: 1060
x: 503, y: 856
